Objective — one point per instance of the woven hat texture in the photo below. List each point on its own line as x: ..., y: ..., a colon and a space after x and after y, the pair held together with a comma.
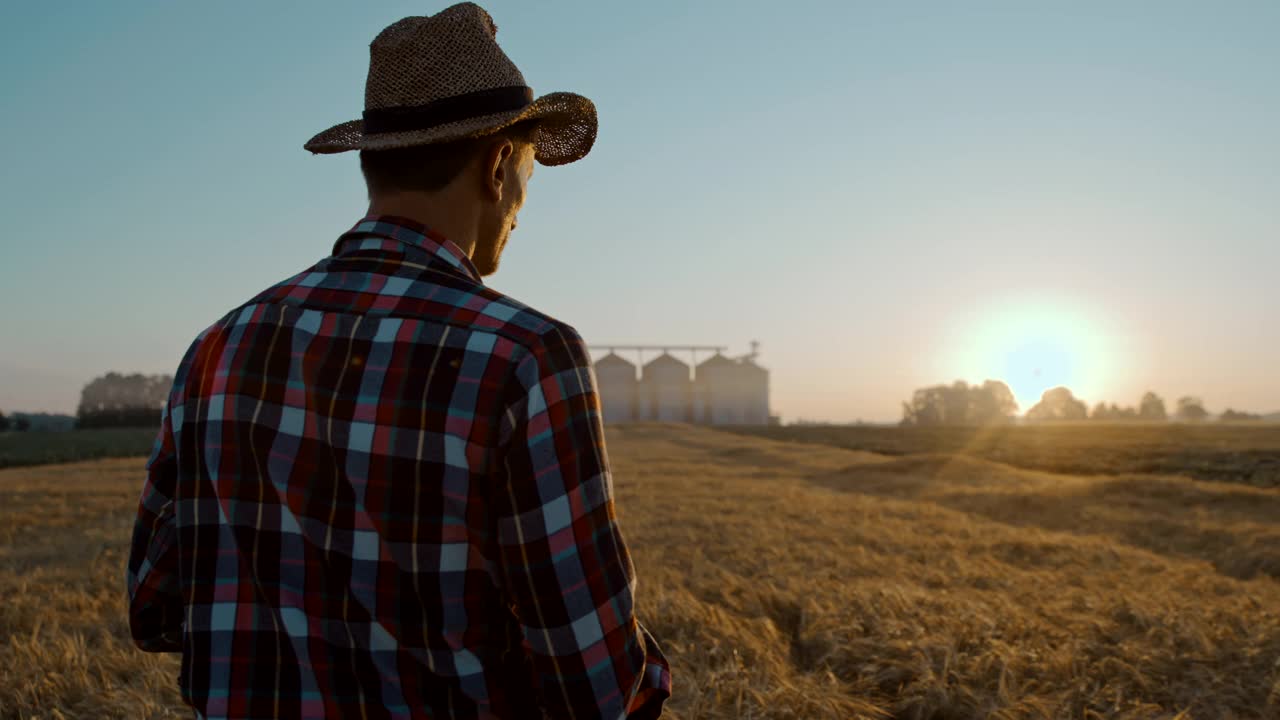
x: 443, y: 77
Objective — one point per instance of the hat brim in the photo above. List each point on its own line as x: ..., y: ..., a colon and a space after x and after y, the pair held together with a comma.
x: 567, y: 130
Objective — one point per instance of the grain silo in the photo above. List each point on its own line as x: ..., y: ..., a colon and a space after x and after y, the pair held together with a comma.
x: 753, y: 382
x: 731, y: 391
x: 666, y: 393
x: 618, y: 388
x: 714, y: 392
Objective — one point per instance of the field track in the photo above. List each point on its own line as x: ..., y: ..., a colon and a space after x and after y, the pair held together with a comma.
x: 790, y: 580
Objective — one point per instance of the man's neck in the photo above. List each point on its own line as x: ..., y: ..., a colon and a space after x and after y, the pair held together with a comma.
x: 438, y: 211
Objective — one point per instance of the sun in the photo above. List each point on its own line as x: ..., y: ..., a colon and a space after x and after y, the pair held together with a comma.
x: 1034, y: 346
x: 1033, y: 364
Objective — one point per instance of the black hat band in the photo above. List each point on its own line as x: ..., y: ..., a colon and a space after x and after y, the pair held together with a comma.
x: 447, y: 110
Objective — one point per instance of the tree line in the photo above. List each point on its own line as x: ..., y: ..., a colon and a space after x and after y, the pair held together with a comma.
x: 113, y: 400
x: 135, y: 400
x: 117, y: 400
x: 993, y: 403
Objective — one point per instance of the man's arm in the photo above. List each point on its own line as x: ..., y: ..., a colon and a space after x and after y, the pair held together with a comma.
x: 155, y: 602
x: 566, y: 566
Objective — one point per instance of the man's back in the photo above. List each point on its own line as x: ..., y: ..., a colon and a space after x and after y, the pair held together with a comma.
x: 381, y: 488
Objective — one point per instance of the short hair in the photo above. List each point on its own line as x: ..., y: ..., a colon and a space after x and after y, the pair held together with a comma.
x: 431, y: 167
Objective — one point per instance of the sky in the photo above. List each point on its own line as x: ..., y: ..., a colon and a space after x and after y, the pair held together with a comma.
x: 884, y: 195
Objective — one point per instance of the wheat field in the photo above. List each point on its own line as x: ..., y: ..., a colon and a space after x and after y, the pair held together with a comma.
x: 788, y: 580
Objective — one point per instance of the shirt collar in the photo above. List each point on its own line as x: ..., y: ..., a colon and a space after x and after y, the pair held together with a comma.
x: 417, y: 240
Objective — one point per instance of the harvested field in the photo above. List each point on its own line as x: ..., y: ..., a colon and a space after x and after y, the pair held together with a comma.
x: 1246, y: 452
x: 790, y: 580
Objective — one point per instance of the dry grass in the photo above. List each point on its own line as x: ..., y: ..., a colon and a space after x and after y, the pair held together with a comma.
x: 64, y: 639
x: 792, y: 581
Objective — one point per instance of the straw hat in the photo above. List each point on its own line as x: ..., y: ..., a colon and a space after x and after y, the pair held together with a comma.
x: 443, y: 77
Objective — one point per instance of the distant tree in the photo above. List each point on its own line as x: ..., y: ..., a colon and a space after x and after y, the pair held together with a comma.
x: 1058, y: 404
x: 937, y: 405
x: 1103, y: 411
x: 116, y: 400
x: 1230, y: 415
x: 4, y: 422
x: 960, y: 404
x: 1191, y: 409
x: 956, y: 403
x: 1152, y: 408
x: 992, y: 403
x: 22, y: 424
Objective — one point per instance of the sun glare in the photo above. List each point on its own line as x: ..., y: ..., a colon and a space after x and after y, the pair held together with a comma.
x: 1036, y: 346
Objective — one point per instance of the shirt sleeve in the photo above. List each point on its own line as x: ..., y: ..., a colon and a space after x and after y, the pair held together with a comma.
x: 566, y: 568
x: 155, y: 605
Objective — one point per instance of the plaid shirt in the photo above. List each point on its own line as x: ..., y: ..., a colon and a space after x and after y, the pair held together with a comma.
x: 380, y: 489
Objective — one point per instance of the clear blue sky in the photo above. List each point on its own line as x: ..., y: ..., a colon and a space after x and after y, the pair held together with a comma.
x: 885, y: 195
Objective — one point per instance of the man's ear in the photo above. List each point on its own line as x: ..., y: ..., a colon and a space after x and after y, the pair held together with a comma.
x: 494, y: 173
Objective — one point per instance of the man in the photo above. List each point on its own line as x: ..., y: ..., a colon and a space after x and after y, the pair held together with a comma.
x: 380, y: 488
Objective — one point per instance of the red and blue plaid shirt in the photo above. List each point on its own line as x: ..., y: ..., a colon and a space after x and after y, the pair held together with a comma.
x: 380, y: 489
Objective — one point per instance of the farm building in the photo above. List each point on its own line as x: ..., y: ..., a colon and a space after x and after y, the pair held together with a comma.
x: 720, y: 390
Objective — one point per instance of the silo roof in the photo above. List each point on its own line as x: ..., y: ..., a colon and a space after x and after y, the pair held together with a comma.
x: 615, y: 359
x: 716, y: 360
x: 666, y: 359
